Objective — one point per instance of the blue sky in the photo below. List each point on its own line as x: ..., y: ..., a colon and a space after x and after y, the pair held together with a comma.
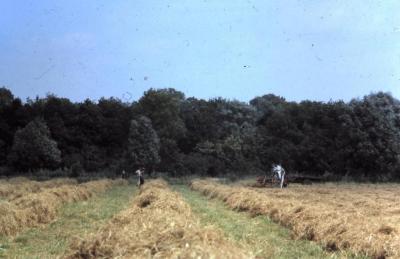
x: 299, y: 49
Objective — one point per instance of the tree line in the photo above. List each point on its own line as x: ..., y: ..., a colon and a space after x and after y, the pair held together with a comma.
x: 167, y: 132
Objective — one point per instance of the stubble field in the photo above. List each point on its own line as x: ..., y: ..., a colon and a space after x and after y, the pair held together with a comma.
x: 113, y: 219
x: 362, y: 218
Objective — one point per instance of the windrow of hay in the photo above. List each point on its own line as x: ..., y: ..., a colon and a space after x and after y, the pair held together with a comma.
x: 19, y: 186
x: 158, y: 224
x: 40, y: 208
x: 364, y: 219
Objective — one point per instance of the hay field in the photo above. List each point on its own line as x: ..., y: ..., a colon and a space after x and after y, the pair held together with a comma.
x: 33, y: 209
x: 362, y: 218
x: 13, y: 188
x: 158, y: 224
x: 74, y: 220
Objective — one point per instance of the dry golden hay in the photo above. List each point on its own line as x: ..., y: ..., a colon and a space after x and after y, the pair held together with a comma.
x: 158, y: 224
x: 360, y: 218
x: 40, y: 208
x: 158, y: 183
x: 58, y: 182
x: 20, y: 186
x: 8, y: 218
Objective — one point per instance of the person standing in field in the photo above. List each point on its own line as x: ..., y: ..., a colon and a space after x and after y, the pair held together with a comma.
x: 140, y: 172
x: 278, y: 173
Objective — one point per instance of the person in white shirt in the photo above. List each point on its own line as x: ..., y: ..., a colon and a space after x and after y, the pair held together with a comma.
x: 278, y: 174
x: 140, y: 172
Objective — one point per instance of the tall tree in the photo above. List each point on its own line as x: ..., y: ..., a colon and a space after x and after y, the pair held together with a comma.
x: 6, y: 97
x: 143, y: 144
x: 163, y: 107
x: 371, y: 139
x: 33, y: 148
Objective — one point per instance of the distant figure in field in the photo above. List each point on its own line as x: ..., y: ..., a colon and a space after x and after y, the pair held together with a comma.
x: 278, y: 174
x: 140, y: 173
x: 124, y: 175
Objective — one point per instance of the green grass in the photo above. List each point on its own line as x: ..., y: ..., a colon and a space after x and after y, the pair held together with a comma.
x: 260, y: 235
x: 74, y: 220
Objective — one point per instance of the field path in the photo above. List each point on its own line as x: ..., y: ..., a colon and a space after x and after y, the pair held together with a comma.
x: 75, y: 219
x: 260, y: 235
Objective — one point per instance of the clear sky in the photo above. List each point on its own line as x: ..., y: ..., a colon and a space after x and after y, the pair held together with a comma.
x: 299, y: 49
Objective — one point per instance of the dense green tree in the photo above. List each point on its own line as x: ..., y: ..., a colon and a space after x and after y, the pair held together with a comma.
x: 6, y: 97
x: 116, y: 117
x: 143, y: 144
x: 33, y: 148
x: 358, y: 139
x: 372, y: 137
x: 267, y: 105
x: 13, y: 115
x: 163, y: 107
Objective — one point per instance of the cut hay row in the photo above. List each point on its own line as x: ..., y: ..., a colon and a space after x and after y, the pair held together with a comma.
x: 158, y: 224
x: 363, y: 220
x: 40, y: 208
x: 19, y: 186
